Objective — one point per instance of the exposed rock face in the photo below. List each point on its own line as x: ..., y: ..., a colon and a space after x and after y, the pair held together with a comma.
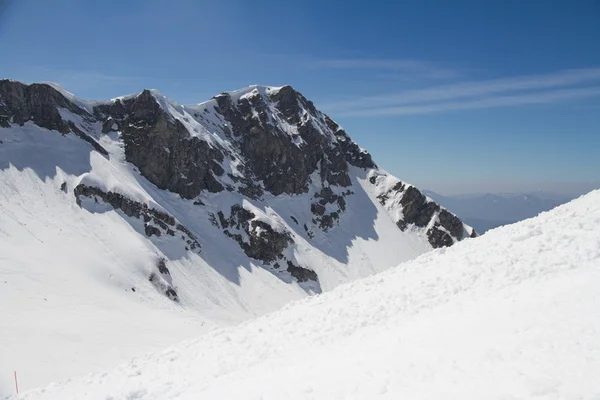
x: 300, y: 273
x: 281, y: 161
x: 439, y: 237
x: 327, y: 199
x: 420, y: 211
x: 354, y: 155
x: 451, y: 223
x: 40, y: 104
x: 256, y: 143
x: 156, y: 223
x: 162, y: 148
x: 262, y: 241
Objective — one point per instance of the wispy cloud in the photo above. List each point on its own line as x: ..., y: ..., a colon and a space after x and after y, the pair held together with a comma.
x: 414, y: 68
x: 531, y: 89
x: 546, y: 97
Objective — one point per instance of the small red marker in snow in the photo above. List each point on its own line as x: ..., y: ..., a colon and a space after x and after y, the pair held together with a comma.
x: 16, y: 383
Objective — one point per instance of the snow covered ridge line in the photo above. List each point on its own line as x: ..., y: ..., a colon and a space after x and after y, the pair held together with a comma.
x: 510, y: 315
x: 283, y: 139
x: 252, y: 147
x: 156, y: 223
x: 220, y: 211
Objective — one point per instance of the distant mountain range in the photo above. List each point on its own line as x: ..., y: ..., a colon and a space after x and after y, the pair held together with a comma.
x: 487, y: 211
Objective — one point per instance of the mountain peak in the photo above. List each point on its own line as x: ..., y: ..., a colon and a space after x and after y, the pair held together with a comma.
x: 258, y: 89
x: 225, y: 209
x: 259, y: 143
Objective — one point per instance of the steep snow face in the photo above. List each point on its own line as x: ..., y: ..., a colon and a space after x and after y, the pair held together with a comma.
x: 513, y: 314
x: 187, y: 217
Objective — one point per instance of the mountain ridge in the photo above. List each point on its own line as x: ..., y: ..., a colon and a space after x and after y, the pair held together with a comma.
x: 227, y: 209
x: 256, y: 141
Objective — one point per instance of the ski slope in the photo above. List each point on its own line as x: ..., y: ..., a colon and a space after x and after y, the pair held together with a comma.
x: 511, y: 315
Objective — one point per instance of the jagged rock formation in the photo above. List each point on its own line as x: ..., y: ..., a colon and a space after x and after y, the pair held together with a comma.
x: 156, y: 223
x: 257, y: 238
x: 161, y: 147
x: 233, y: 157
x: 420, y: 211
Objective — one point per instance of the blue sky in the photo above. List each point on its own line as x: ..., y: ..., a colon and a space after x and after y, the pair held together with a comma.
x: 465, y: 96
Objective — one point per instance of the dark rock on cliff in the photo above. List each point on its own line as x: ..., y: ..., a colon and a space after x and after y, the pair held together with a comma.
x: 419, y: 211
x: 151, y: 230
x: 163, y: 149
x: 162, y: 267
x: 438, y: 237
x: 416, y: 209
x: 354, y: 155
x: 451, y: 223
x: 265, y: 243
x: 266, y: 142
x: 337, y: 203
x: 109, y: 125
x: 283, y: 162
x: 138, y: 210
x: 271, y: 156
x: 300, y: 273
x: 40, y: 104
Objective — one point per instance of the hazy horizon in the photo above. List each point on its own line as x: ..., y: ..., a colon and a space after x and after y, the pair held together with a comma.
x: 574, y: 189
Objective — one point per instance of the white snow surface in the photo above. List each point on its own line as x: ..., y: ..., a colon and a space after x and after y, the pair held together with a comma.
x: 68, y: 273
x: 75, y: 295
x: 510, y: 315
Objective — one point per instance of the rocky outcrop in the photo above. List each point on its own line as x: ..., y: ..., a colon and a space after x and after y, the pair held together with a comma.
x: 256, y: 238
x: 40, y: 104
x: 444, y: 227
x: 353, y: 154
x: 156, y: 223
x: 283, y: 162
x: 256, y: 143
x: 162, y: 148
x: 261, y: 242
x: 328, y: 207
x: 301, y: 274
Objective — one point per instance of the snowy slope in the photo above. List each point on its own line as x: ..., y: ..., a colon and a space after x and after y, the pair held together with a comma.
x: 129, y: 224
x: 513, y: 314
x: 67, y: 275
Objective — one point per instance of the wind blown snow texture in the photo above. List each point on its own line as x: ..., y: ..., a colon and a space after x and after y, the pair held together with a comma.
x: 513, y: 314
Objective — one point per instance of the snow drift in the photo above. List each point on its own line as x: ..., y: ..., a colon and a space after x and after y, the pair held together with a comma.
x: 513, y: 314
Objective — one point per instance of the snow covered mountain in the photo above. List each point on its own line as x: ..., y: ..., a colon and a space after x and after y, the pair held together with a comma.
x: 185, y: 217
x: 513, y: 314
